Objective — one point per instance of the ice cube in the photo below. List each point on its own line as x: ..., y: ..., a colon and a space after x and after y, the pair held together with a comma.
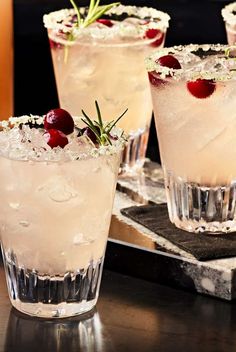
x: 38, y: 140
x: 25, y: 143
x: 4, y: 143
x: 58, y: 189
x: 80, y: 238
x: 61, y: 192
x: 14, y: 205
x: 81, y: 69
x: 80, y: 146
x: 24, y: 223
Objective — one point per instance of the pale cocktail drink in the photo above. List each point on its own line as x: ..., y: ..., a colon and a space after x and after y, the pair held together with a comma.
x: 56, y: 203
x: 229, y: 17
x: 194, y: 97
x: 105, y: 61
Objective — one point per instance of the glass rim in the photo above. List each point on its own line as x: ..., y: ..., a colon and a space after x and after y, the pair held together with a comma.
x: 51, y: 156
x: 223, y: 51
x: 228, y: 15
x: 59, y: 22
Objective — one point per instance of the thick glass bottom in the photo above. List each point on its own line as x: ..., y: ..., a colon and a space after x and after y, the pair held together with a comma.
x: 62, y: 310
x: 133, y: 157
x: 53, y: 296
x: 201, y: 209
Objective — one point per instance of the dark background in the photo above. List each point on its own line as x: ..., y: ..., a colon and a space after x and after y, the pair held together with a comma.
x: 196, y: 21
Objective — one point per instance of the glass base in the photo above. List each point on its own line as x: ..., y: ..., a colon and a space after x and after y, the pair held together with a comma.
x: 196, y: 208
x: 49, y: 296
x: 62, y: 310
x: 133, y: 157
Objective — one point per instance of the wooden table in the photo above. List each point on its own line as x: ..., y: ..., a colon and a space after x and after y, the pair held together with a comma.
x: 132, y: 315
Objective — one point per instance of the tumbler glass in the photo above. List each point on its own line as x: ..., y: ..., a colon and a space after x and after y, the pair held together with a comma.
x: 106, y: 62
x: 194, y: 97
x: 55, y: 214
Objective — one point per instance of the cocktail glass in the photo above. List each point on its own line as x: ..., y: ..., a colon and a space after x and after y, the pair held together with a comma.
x: 55, y: 214
x: 194, y: 97
x: 229, y: 16
x: 107, y: 63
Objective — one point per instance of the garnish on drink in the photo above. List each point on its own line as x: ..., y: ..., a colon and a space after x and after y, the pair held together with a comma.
x: 145, y: 24
x: 59, y: 123
x: 95, y: 11
x: 59, y: 119
x: 56, y: 138
x: 165, y: 61
x: 200, y: 88
x: 100, y: 129
x: 58, y: 129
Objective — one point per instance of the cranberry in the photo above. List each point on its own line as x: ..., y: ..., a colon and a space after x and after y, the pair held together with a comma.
x: 59, y: 119
x: 89, y: 133
x: 54, y: 45
x: 56, y: 138
x: 201, y: 88
x: 152, y: 33
x: 169, y: 61
x: 105, y: 22
x: 154, y: 80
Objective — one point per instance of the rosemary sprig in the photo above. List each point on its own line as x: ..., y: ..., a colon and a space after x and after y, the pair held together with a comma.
x: 94, y: 12
x: 100, y: 129
x: 76, y: 11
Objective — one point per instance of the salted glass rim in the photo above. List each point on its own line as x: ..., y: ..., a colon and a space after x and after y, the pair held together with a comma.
x: 228, y: 15
x: 59, y: 21
x: 52, y: 155
x: 223, y: 70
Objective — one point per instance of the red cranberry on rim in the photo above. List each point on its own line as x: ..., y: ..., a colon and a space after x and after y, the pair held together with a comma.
x: 105, y: 22
x: 167, y: 61
x: 86, y: 131
x: 201, y: 88
x: 54, y: 45
x: 154, y: 79
x: 56, y: 138
x: 59, y: 119
x: 152, y: 33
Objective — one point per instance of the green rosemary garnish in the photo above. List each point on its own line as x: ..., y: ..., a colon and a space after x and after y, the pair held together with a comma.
x: 101, y: 130
x: 94, y: 12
